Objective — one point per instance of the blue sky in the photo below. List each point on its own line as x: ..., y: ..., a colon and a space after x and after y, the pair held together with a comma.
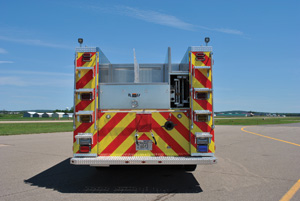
x: 256, y: 47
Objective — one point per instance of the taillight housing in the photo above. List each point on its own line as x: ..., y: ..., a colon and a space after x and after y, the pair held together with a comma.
x: 86, y: 57
x: 200, y: 56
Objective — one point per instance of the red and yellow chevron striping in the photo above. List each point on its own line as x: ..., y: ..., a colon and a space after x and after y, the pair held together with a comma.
x: 117, y: 135
x: 202, y: 79
x: 86, y: 98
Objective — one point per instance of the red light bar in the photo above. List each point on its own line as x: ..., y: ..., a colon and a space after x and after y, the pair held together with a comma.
x: 84, y: 149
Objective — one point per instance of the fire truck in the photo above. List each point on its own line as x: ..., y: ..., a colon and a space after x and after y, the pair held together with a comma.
x: 143, y: 114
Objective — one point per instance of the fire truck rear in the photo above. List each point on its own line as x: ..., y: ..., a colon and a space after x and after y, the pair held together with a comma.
x: 143, y: 114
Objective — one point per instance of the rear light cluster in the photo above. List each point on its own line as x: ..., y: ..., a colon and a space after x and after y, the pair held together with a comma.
x: 202, y: 144
x: 85, y: 145
x: 86, y: 57
x: 202, y: 141
x: 200, y: 56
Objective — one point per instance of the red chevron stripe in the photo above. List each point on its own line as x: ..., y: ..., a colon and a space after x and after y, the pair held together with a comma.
x: 95, y: 140
x: 179, y: 126
x: 110, y: 125
x: 204, y: 104
x: 131, y: 151
x: 207, y: 61
x: 81, y: 129
x: 203, y: 126
x: 168, y: 139
x: 82, y: 105
x: 119, y: 139
x: 202, y: 79
x: 183, y: 130
x: 84, y: 80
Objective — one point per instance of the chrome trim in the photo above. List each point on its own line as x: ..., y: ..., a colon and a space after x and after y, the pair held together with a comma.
x: 84, y: 90
x: 204, y: 134
x: 203, y: 89
x: 143, y: 160
x: 84, y: 135
x: 84, y: 155
x: 84, y: 113
x: 202, y: 112
x: 85, y: 68
x: 201, y: 48
x: 86, y: 49
x: 201, y: 67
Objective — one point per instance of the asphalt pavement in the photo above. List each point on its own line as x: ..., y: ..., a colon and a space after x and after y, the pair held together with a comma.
x: 250, y: 167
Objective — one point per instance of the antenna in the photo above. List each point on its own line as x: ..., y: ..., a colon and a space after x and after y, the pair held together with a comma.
x: 136, y: 69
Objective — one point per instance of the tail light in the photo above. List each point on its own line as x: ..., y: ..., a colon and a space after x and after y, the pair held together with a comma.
x: 86, y: 57
x: 200, y: 56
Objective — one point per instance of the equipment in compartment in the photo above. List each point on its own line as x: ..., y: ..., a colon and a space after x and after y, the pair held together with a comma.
x: 179, y: 89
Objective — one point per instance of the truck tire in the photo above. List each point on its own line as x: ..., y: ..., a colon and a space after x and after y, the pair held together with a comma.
x: 190, y: 168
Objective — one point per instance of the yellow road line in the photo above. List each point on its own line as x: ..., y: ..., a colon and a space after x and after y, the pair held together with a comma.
x: 296, y: 186
x: 270, y: 137
x: 291, y: 192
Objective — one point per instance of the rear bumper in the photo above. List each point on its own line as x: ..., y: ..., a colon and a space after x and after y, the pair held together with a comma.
x: 145, y: 160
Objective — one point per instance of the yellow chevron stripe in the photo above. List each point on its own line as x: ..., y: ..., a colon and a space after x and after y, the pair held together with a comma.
x: 116, y: 131
x: 125, y: 145
x: 173, y: 133
x: 196, y: 106
x: 164, y: 146
x: 198, y: 63
x: 196, y: 83
x: 212, y: 146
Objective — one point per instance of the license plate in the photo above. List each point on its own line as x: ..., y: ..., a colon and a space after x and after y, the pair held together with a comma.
x: 144, y: 145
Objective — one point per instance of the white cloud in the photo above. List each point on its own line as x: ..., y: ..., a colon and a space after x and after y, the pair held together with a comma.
x: 49, y: 81
x: 34, y: 42
x: 12, y: 81
x: 166, y: 20
x: 6, y: 62
x: 2, y: 51
x: 157, y: 18
x: 37, y: 73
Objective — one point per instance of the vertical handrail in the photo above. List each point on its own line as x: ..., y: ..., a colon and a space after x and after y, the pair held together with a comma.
x: 74, y: 110
x: 96, y: 90
x: 191, y: 92
x: 212, y: 97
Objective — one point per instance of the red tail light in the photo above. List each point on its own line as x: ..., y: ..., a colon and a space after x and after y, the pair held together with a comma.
x: 200, y: 56
x: 84, y: 149
x: 86, y: 57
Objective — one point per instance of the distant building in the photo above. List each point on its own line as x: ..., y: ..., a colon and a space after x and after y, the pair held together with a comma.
x: 37, y: 114
x: 68, y: 115
x: 29, y: 114
x: 47, y: 114
x: 58, y: 115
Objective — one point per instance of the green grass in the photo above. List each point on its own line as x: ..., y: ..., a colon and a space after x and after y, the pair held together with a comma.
x: 256, y: 120
x: 29, y: 128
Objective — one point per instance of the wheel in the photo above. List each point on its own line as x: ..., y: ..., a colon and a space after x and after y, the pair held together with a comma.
x: 190, y: 168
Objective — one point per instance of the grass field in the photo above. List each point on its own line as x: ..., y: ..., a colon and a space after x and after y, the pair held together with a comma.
x: 256, y: 120
x: 29, y: 128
